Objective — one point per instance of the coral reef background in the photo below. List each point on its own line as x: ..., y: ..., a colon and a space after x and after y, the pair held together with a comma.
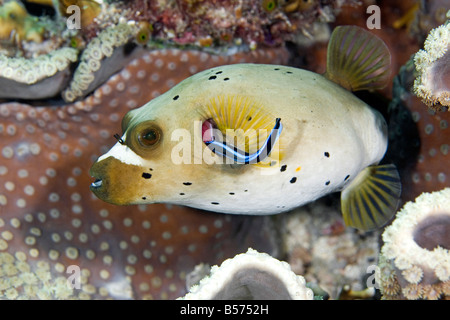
x: 65, y: 92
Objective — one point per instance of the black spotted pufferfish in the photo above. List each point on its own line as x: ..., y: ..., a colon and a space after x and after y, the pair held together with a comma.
x: 262, y: 139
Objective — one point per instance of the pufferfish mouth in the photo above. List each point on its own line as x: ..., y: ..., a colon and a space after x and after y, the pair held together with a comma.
x: 98, y: 187
x: 113, y: 182
x: 96, y: 184
x: 99, y: 177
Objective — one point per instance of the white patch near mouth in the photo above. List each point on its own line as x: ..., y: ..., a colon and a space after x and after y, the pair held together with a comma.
x: 123, y: 153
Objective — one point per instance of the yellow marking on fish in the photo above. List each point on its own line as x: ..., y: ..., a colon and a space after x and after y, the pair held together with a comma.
x: 245, y: 123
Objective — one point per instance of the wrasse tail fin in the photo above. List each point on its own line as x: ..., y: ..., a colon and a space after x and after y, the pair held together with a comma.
x: 372, y: 197
x: 357, y: 59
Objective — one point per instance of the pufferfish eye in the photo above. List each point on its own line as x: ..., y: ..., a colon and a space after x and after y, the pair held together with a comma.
x: 144, y: 137
x: 149, y: 137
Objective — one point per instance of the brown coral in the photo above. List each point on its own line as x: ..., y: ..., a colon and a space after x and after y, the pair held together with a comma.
x: 49, y: 219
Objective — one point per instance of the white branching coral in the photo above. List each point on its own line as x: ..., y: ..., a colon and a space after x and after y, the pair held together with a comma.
x: 433, y: 66
x: 251, y: 275
x: 99, y: 50
x: 416, y: 249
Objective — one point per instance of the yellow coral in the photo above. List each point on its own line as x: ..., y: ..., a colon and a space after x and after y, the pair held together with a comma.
x: 297, y: 5
x: 432, y: 292
x: 412, y: 291
x: 90, y: 9
x: 413, y: 274
x: 17, y: 25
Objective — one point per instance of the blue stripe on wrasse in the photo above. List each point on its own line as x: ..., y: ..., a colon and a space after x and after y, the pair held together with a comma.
x: 222, y: 149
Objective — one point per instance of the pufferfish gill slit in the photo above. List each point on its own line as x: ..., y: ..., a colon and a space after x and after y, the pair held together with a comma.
x: 331, y: 141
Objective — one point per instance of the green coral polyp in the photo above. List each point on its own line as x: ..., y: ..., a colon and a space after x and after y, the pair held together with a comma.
x: 17, y: 25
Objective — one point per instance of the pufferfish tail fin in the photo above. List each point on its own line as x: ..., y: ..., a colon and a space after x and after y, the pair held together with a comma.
x: 357, y: 59
x: 372, y: 197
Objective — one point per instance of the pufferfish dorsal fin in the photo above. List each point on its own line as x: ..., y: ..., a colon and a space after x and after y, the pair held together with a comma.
x: 357, y: 59
x: 372, y: 197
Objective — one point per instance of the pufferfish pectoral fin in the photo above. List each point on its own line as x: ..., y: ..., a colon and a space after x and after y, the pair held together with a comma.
x: 357, y: 59
x: 372, y: 197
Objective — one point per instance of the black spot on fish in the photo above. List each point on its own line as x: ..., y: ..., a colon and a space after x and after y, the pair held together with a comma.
x: 187, y: 183
x: 293, y: 180
x: 144, y: 198
x: 245, y: 190
x: 327, y: 183
x: 181, y: 194
x: 276, y: 69
x: 283, y: 168
x: 326, y: 154
x: 215, y: 203
x: 212, y: 78
x: 231, y: 193
x: 346, y: 178
x: 218, y: 72
x: 249, y: 118
x: 289, y: 72
x: 150, y: 169
x: 176, y: 97
x: 146, y: 175
x: 226, y: 79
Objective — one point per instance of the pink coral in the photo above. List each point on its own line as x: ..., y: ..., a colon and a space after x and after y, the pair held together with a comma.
x: 49, y: 219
